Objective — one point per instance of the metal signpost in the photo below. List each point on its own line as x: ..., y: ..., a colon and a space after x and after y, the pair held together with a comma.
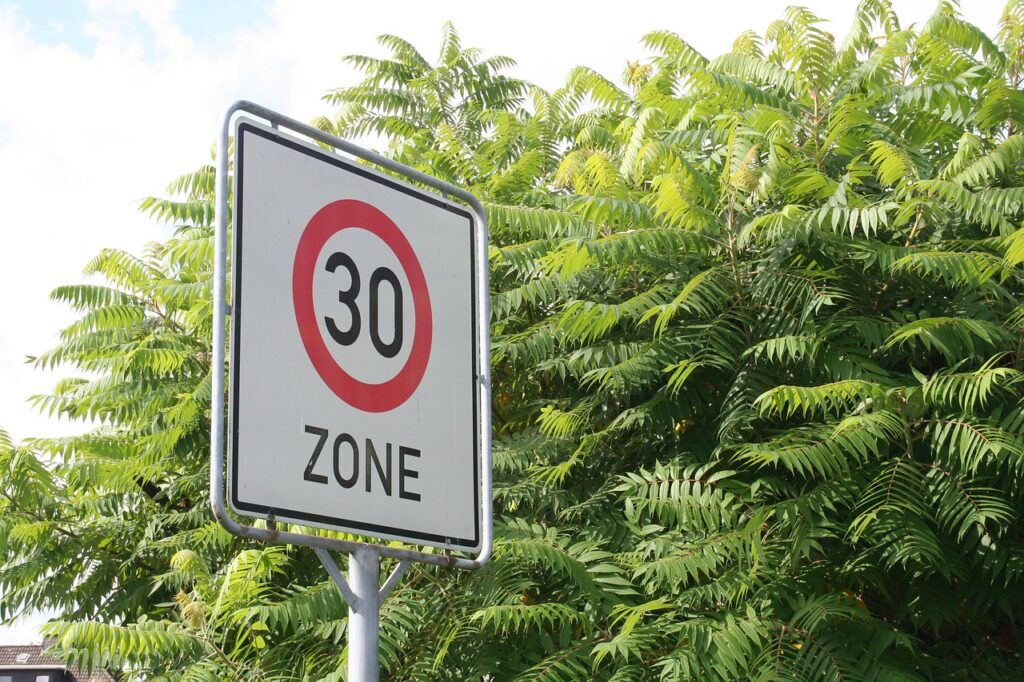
x: 359, y: 396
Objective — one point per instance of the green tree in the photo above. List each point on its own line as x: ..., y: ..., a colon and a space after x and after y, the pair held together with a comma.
x: 758, y: 341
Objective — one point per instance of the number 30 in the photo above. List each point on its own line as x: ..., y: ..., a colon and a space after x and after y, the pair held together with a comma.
x: 348, y: 297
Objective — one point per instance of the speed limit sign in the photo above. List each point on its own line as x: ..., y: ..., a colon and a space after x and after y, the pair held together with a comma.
x: 354, y: 387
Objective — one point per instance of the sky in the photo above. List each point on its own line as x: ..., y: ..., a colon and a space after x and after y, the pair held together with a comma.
x: 104, y: 102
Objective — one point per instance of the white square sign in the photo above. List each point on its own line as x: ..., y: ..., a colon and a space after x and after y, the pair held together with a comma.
x: 355, y: 363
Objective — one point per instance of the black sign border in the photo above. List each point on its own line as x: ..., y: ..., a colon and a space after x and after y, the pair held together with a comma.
x: 335, y: 523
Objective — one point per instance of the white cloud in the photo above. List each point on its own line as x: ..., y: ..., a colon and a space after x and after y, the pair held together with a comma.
x: 84, y: 137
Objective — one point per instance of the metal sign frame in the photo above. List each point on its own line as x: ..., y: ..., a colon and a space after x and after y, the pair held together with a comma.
x: 376, y: 406
x: 364, y: 594
x: 221, y: 309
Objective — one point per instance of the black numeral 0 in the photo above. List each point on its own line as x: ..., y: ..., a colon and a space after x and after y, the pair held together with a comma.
x: 382, y: 274
x: 348, y: 297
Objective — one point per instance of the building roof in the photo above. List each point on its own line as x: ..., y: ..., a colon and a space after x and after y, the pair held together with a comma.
x: 27, y: 655
x: 31, y: 656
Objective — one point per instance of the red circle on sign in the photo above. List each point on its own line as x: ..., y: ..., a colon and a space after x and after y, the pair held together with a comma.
x: 328, y: 221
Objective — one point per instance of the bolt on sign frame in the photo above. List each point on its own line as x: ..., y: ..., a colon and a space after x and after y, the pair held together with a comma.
x: 361, y: 591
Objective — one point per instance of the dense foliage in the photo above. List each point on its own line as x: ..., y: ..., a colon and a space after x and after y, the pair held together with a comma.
x: 758, y: 353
